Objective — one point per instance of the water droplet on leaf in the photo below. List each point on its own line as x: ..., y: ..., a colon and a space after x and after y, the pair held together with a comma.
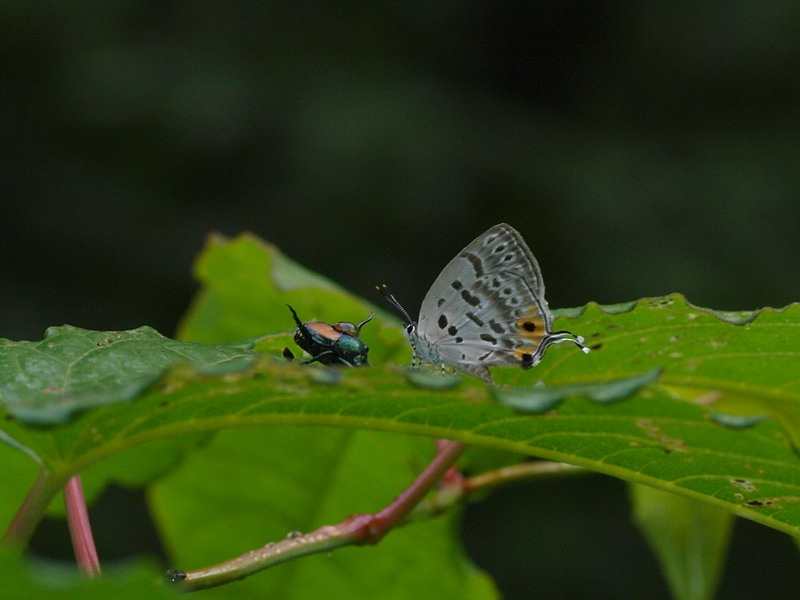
x: 736, y: 421
x: 432, y: 381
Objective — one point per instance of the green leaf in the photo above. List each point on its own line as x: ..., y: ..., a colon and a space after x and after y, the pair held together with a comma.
x: 133, y: 467
x: 689, y: 538
x: 251, y: 487
x: 651, y: 438
x: 73, y: 369
x: 739, y: 363
x: 19, y: 473
x: 41, y: 581
x: 539, y: 399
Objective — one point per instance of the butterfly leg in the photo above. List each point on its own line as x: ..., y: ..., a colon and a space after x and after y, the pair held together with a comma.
x: 482, y: 372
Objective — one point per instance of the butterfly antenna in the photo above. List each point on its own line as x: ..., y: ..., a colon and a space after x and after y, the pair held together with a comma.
x: 565, y: 336
x: 384, y: 291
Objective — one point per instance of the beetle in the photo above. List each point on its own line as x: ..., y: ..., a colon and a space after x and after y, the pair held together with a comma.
x: 332, y: 344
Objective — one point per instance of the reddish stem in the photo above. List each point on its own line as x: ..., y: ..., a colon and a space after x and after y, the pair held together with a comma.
x: 370, y: 529
x: 355, y: 530
x: 80, y: 529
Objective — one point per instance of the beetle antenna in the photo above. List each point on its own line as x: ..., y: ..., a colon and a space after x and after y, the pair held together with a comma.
x: 364, y: 322
x: 296, y: 318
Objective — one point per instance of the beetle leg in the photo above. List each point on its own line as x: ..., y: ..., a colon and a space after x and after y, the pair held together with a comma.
x: 318, y: 357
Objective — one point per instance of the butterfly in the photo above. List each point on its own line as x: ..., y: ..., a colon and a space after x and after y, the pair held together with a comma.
x: 485, y: 309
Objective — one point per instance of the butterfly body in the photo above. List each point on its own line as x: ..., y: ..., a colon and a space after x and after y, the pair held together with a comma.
x: 486, y: 308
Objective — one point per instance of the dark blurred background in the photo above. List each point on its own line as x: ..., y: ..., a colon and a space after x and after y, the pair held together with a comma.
x: 640, y: 147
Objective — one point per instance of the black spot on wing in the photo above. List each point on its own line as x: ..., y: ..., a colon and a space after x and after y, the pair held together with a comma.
x: 489, y: 338
x: 456, y: 284
x: 452, y: 330
x: 439, y: 302
x: 496, y: 327
x: 442, y: 321
x: 474, y: 318
x: 475, y: 261
x: 470, y: 299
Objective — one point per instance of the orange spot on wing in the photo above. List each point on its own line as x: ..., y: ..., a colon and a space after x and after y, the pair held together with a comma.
x: 524, y: 354
x: 531, y: 326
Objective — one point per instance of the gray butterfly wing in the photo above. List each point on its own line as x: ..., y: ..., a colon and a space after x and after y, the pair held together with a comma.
x: 487, y: 306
